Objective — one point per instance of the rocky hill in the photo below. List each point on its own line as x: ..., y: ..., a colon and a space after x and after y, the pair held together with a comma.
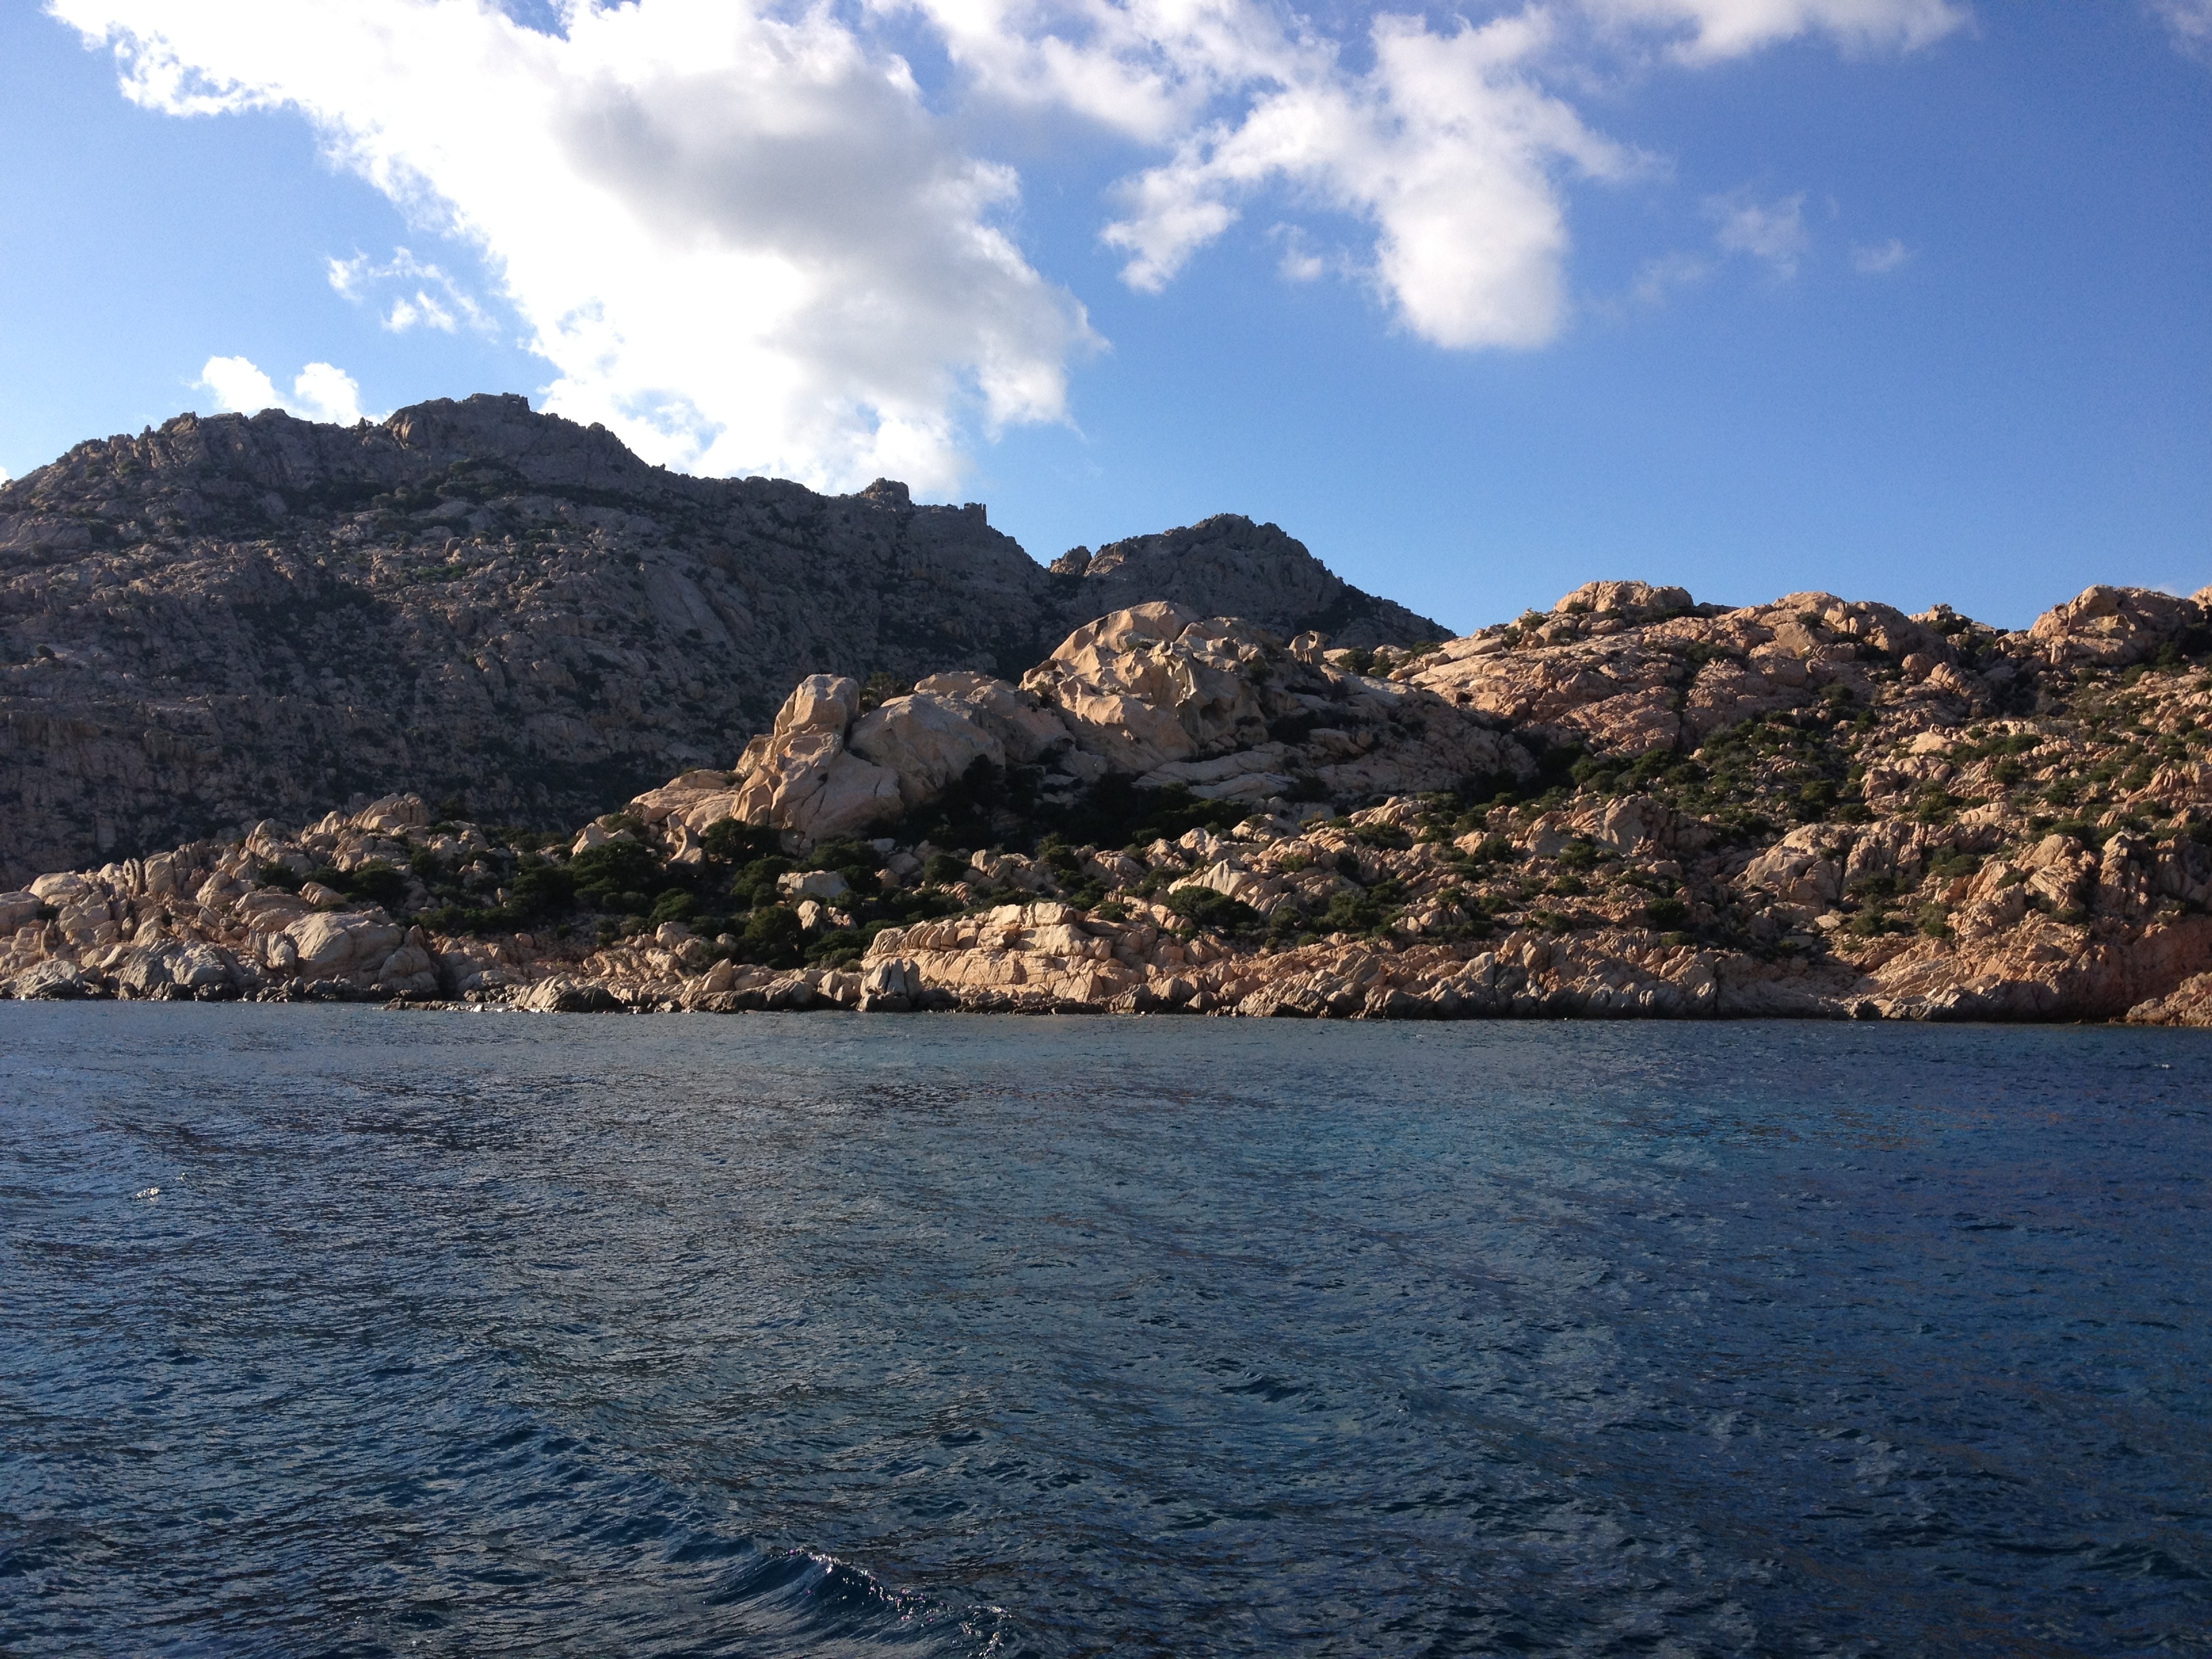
x: 228, y: 619
x: 1630, y: 806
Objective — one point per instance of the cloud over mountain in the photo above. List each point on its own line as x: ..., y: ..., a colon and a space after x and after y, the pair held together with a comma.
x: 748, y: 239
x: 741, y: 240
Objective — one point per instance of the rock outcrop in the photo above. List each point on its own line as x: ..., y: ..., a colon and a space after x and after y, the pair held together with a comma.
x: 1211, y: 705
x: 2115, y: 627
x: 228, y: 618
x: 1846, y: 812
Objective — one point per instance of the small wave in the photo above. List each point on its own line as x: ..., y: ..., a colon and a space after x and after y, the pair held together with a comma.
x: 822, y: 1606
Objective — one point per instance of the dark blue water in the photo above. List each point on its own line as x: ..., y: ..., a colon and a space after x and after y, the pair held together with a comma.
x: 455, y: 1334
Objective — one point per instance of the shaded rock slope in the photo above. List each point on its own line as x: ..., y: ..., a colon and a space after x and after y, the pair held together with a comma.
x: 227, y: 618
x: 1630, y: 805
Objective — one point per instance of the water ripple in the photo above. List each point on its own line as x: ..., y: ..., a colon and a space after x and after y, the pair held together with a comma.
x: 333, y: 1332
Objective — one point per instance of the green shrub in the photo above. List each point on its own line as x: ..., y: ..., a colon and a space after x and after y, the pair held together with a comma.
x: 1950, y: 864
x: 676, y: 905
x: 945, y: 869
x: 614, y: 867
x: 730, y: 840
x: 1352, y: 913
x: 772, y: 937
x: 1214, y: 912
x: 373, y: 883
x: 881, y: 688
x: 543, y: 889
x: 1936, y: 805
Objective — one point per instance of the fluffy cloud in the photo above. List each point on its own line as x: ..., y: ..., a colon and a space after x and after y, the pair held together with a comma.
x: 1451, y: 146
x: 744, y: 238
x: 740, y: 239
x: 322, y: 392
x: 1446, y: 147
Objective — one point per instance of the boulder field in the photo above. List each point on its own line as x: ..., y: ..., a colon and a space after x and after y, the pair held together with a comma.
x: 1630, y: 805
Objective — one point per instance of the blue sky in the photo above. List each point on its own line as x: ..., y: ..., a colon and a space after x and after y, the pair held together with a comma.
x: 1901, y: 299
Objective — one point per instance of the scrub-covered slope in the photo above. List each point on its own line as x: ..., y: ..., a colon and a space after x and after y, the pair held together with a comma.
x: 1630, y: 805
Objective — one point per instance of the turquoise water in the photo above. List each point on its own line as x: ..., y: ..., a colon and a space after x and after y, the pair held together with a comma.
x: 454, y: 1334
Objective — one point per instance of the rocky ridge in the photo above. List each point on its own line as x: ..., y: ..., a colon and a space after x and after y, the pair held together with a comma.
x: 226, y: 618
x: 1630, y: 806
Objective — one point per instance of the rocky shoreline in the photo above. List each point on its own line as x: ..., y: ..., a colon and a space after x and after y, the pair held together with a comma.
x: 1630, y: 806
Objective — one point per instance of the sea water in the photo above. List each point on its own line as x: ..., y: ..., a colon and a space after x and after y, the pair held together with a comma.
x: 337, y: 1331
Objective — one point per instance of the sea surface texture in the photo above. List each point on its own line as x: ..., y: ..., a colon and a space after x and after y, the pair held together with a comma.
x: 454, y: 1334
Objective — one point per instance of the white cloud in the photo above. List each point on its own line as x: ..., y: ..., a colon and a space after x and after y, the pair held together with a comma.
x: 1447, y: 147
x: 322, y: 392
x: 1450, y: 147
x: 1774, y: 232
x: 1706, y: 31
x: 1300, y: 261
x: 446, y: 310
x: 239, y: 386
x: 2190, y: 24
x: 739, y: 238
x: 1877, y: 258
x: 1145, y: 68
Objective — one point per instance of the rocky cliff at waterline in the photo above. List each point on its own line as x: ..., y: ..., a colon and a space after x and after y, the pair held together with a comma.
x: 1630, y: 805
x: 227, y: 619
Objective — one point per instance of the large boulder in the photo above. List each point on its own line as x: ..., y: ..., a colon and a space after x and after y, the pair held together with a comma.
x: 926, y: 742
x: 1154, y: 684
x: 393, y: 814
x: 1638, y: 599
x: 175, y: 968
x: 800, y: 777
x: 563, y: 993
x: 2114, y: 627
x: 52, y: 981
x: 820, y: 702
x: 1024, y: 728
x: 409, y: 970
x: 825, y: 769
x: 330, y: 943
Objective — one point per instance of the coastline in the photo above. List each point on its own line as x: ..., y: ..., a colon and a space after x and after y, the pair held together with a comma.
x: 1631, y: 807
